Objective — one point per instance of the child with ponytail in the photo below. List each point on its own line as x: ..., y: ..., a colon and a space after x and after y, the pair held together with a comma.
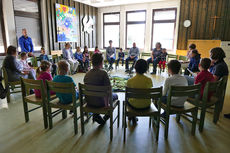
x: 43, y: 73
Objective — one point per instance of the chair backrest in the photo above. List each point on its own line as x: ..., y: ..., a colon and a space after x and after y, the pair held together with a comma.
x: 64, y: 88
x: 145, y: 55
x: 183, y: 91
x: 183, y: 58
x: 55, y: 58
x: 33, y: 61
x: 137, y: 93
x: 28, y: 84
x: 95, y: 91
x: 213, y: 88
x: 5, y: 75
x: 171, y: 57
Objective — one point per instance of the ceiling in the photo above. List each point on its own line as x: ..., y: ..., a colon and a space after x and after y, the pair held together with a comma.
x: 105, y: 3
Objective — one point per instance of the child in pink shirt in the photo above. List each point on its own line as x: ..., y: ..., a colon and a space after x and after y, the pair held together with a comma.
x: 96, y: 50
x: 43, y: 73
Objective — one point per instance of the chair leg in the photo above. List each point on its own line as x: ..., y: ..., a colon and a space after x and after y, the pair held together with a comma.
x: 202, y: 118
x: 111, y: 126
x: 118, y: 115
x: 166, y: 125
x: 123, y: 115
x: 150, y: 119
x: 50, y: 117
x: 75, y: 121
x: 178, y: 118
x: 45, y: 116
x: 158, y: 127
x: 82, y: 122
x: 25, y: 105
x: 194, y: 114
x: 64, y: 114
x: 125, y: 126
x: 8, y: 95
x: 216, y: 112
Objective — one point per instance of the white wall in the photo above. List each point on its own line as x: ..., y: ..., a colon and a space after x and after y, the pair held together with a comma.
x: 148, y: 30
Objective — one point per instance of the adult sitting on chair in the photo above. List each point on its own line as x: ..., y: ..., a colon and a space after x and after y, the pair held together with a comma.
x: 12, y: 66
x: 111, y: 54
x: 98, y: 77
x: 140, y: 81
x: 68, y: 56
x: 155, y: 57
x: 132, y: 56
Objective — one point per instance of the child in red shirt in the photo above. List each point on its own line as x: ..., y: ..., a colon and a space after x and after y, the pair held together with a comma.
x: 204, y: 75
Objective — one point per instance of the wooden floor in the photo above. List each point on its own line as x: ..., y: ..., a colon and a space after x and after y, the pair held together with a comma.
x: 16, y: 136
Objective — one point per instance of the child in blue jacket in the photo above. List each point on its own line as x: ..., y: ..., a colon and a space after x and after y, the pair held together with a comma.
x: 194, y: 62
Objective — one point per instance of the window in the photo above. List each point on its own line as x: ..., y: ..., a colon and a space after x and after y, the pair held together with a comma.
x: 111, y: 24
x: 27, y: 15
x: 164, y: 23
x: 135, y: 28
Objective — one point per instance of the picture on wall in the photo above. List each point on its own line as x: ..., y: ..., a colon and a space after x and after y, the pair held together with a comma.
x: 66, y: 21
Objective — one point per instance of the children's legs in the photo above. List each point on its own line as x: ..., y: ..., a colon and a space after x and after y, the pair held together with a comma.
x: 160, y: 63
x: 118, y: 60
x: 164, y: 64
x: 123, y: 62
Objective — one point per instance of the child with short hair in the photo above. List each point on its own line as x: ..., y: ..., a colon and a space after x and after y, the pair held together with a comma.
x: 96, y: 50
x: 24, y: 66
x: 163, y: 59
x: 43, y: 73
x: 204, y: 76
x: 63, y: 68
x: 121, y: 56
x: 44, y: 57
x: 175, y: 79
x: 194, y: 62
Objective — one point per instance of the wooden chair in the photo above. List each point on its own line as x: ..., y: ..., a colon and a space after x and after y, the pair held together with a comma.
x: 206, y: 102
x: 154, y: 95
x: 171, y: 57
x: 183, y: 58
x: 33, y: 61
x: 64, y: 88
x: 55, y: 58
x: 181, y: 91
x: 28, y: 84
x: 98, y: 91
x: 11, y: 85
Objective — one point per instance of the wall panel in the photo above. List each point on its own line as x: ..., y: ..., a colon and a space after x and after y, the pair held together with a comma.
x: 201, y: 13
x: 83, y: 37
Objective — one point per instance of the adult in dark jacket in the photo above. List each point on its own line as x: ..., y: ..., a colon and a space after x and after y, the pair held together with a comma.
x: 12, y: 66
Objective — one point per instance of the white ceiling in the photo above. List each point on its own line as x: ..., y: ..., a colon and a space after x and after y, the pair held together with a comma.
x: 105, y: 3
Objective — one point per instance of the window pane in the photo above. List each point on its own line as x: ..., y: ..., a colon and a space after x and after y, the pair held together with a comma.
x: 136, y: 16
x: 111, y: 32
x: 135, y: 33
x: 26, y: 5
x: 165, y: 15
x: 1, y: 40
x: 112, y: 18
x: 163, y: 33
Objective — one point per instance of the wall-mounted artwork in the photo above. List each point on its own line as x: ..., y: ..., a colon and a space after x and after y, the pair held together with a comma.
x: 66, y: 21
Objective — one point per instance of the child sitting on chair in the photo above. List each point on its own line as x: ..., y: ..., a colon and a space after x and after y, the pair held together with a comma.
x: 44, y: 57
x: 140, y: 81
x: 175, y: 79
x: 194, y: 62
x: 96, y: 50
x: 121, y: 56
x: 86, y: 57
x: 163, y: 59
x: 43, y: 73
x: 63, y: 68
x: 204, y: 76
x: 24, y: 66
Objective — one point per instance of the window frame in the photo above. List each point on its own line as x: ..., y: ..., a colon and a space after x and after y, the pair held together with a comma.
x: 110, y: 23
x: 3, y: 30
x: 133, y: 22
x: 164, y: 21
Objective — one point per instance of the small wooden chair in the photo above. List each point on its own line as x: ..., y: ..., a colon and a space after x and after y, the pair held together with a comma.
x: 55, y: 58
x: 28, y: 84
x: 154, y: 95
x: 171, y: 57
x: 11, y: 85
x: 33, y: 61
x: 181, y: 91
x: 98, y: 91
x: 214, y: 88
x: 223, y: 90
x: 64, y: 88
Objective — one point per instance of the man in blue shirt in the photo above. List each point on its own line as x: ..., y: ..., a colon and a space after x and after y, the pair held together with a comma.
x: 111, y: 54
x: 26, y: 43
x: 132, y: 56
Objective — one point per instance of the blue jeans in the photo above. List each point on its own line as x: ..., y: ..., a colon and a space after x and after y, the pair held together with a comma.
x: 155, y: 62
x: 118, y: 60
x: 190, y: 80
x: 111, y: 61
x: 127, y: 62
